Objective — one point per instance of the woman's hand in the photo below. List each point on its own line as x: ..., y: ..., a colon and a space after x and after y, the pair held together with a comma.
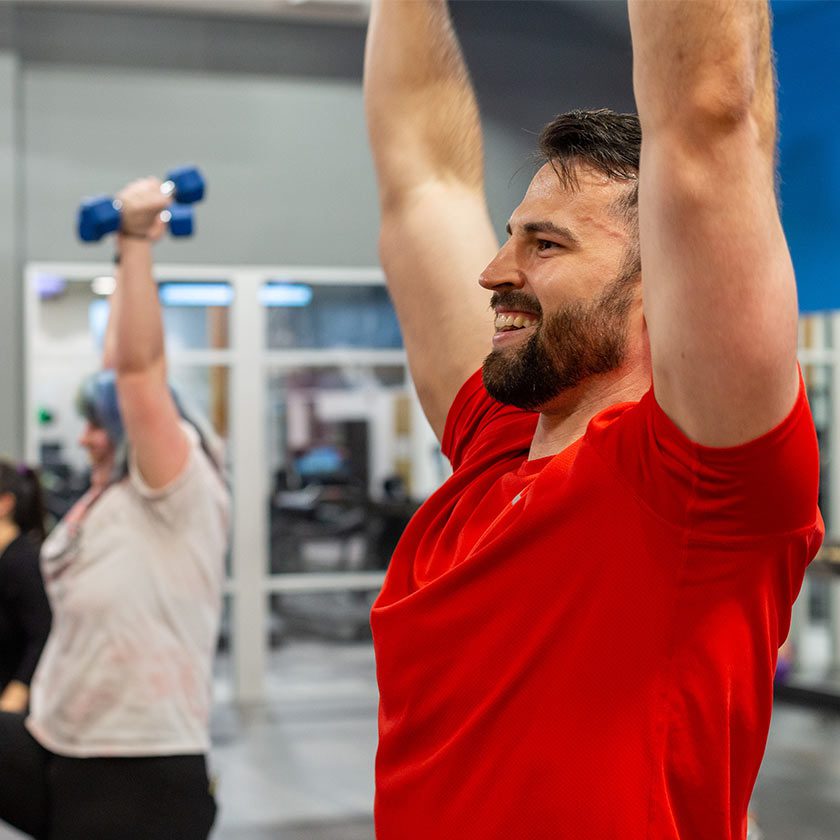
x: 15, y: 697
x: 142, y: 203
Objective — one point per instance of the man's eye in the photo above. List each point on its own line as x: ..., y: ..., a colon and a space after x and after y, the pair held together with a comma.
x: 546, y: 244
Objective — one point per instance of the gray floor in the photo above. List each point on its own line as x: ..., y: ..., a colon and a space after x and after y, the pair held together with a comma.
x: 798, y: 792
x: 300, y: 766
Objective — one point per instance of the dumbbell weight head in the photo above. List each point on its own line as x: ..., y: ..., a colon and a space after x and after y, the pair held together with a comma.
x: 98, y: 217
x: 186, y: 184
x: 180, y: 218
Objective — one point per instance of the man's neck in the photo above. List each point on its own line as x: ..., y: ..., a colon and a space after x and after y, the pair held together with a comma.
x: 100, y: 474
x: 566, y: 421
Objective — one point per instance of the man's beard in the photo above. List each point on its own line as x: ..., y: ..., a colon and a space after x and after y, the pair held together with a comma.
x: 579, y: 341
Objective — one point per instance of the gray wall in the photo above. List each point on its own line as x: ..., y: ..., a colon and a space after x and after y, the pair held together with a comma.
x: 271, y: 110
x: 11, y: 382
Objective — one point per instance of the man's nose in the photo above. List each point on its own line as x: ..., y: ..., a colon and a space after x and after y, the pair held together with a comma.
x: 503, y: 271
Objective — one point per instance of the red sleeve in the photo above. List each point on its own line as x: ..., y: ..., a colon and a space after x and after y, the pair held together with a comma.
x: 768, y: 486
x: 477, y: 426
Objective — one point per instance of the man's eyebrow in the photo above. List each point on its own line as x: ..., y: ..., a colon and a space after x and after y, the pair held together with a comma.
x: 547, y: 227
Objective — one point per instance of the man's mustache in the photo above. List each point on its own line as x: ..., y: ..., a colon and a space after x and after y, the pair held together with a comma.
x: 516, y: 300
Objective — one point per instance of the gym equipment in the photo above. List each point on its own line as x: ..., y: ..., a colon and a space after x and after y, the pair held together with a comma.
x: 101, y: 215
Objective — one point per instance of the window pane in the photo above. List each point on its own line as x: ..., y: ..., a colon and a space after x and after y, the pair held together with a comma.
x: 338, y: 461
x: 809, y: 655
x: 204, y: 390
x: 73, y: 314
x: 195, y: 315
x: 319, y: 315
x: 64, y: 464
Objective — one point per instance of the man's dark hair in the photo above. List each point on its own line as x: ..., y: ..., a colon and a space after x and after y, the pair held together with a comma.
x: 610, y: 143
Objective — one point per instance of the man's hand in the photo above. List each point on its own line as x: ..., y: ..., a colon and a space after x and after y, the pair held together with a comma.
x: 142, y: 203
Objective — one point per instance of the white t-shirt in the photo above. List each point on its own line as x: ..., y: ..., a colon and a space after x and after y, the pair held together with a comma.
x: 135, y: 584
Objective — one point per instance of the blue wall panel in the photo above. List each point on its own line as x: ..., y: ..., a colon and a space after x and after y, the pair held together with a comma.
x: 807, y: 42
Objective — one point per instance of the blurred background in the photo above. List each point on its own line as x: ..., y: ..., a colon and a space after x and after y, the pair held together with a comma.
x: 280, y: 329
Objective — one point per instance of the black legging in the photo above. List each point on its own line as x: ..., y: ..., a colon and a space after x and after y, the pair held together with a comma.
x: 51, y: 797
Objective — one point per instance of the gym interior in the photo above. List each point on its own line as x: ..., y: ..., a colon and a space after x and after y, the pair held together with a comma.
x: 280, y: 330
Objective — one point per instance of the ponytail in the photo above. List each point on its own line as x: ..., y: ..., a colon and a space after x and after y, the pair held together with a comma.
x: 23, y: 483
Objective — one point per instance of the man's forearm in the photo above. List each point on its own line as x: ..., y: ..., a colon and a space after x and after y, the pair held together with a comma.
x: 109, y: 349
x: 704, y: 64
x: 137, y: 337
x: 422, y: 114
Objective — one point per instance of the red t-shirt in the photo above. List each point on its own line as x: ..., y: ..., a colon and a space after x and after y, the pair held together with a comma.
x: 583, y: 646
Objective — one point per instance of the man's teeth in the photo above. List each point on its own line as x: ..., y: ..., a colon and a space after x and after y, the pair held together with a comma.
x: 514, y: 321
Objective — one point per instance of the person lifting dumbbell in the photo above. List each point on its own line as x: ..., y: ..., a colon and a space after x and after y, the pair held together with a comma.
x: 183, y: 187
x: 577, y: 633
x: 114, y: 747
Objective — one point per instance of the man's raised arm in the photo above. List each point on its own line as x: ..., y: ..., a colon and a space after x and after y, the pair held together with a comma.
x: 436, y: 235
x: 135, y: 342
x: 718, y: 284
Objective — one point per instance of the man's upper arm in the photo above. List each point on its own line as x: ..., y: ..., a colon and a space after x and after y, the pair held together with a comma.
x: 433, y: 249
x: 718, y: 283
x: 436, y: 237
x: 152, y: 426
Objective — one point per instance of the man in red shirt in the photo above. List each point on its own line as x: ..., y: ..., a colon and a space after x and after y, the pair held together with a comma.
x: 577, y: 634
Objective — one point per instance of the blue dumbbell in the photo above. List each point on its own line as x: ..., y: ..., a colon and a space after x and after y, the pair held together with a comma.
x: 101, y: 215
x: 179, y: 217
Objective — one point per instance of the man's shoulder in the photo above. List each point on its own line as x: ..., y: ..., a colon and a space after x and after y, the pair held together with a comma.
x: 767, y: 485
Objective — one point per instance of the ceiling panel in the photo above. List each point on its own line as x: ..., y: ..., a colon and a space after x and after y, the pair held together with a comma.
x: 328, y: 11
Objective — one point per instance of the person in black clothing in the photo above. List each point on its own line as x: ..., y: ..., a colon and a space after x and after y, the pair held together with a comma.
x: 24, y: 608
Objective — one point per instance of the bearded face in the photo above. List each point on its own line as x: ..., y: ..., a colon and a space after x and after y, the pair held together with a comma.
x: 579, y: 340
